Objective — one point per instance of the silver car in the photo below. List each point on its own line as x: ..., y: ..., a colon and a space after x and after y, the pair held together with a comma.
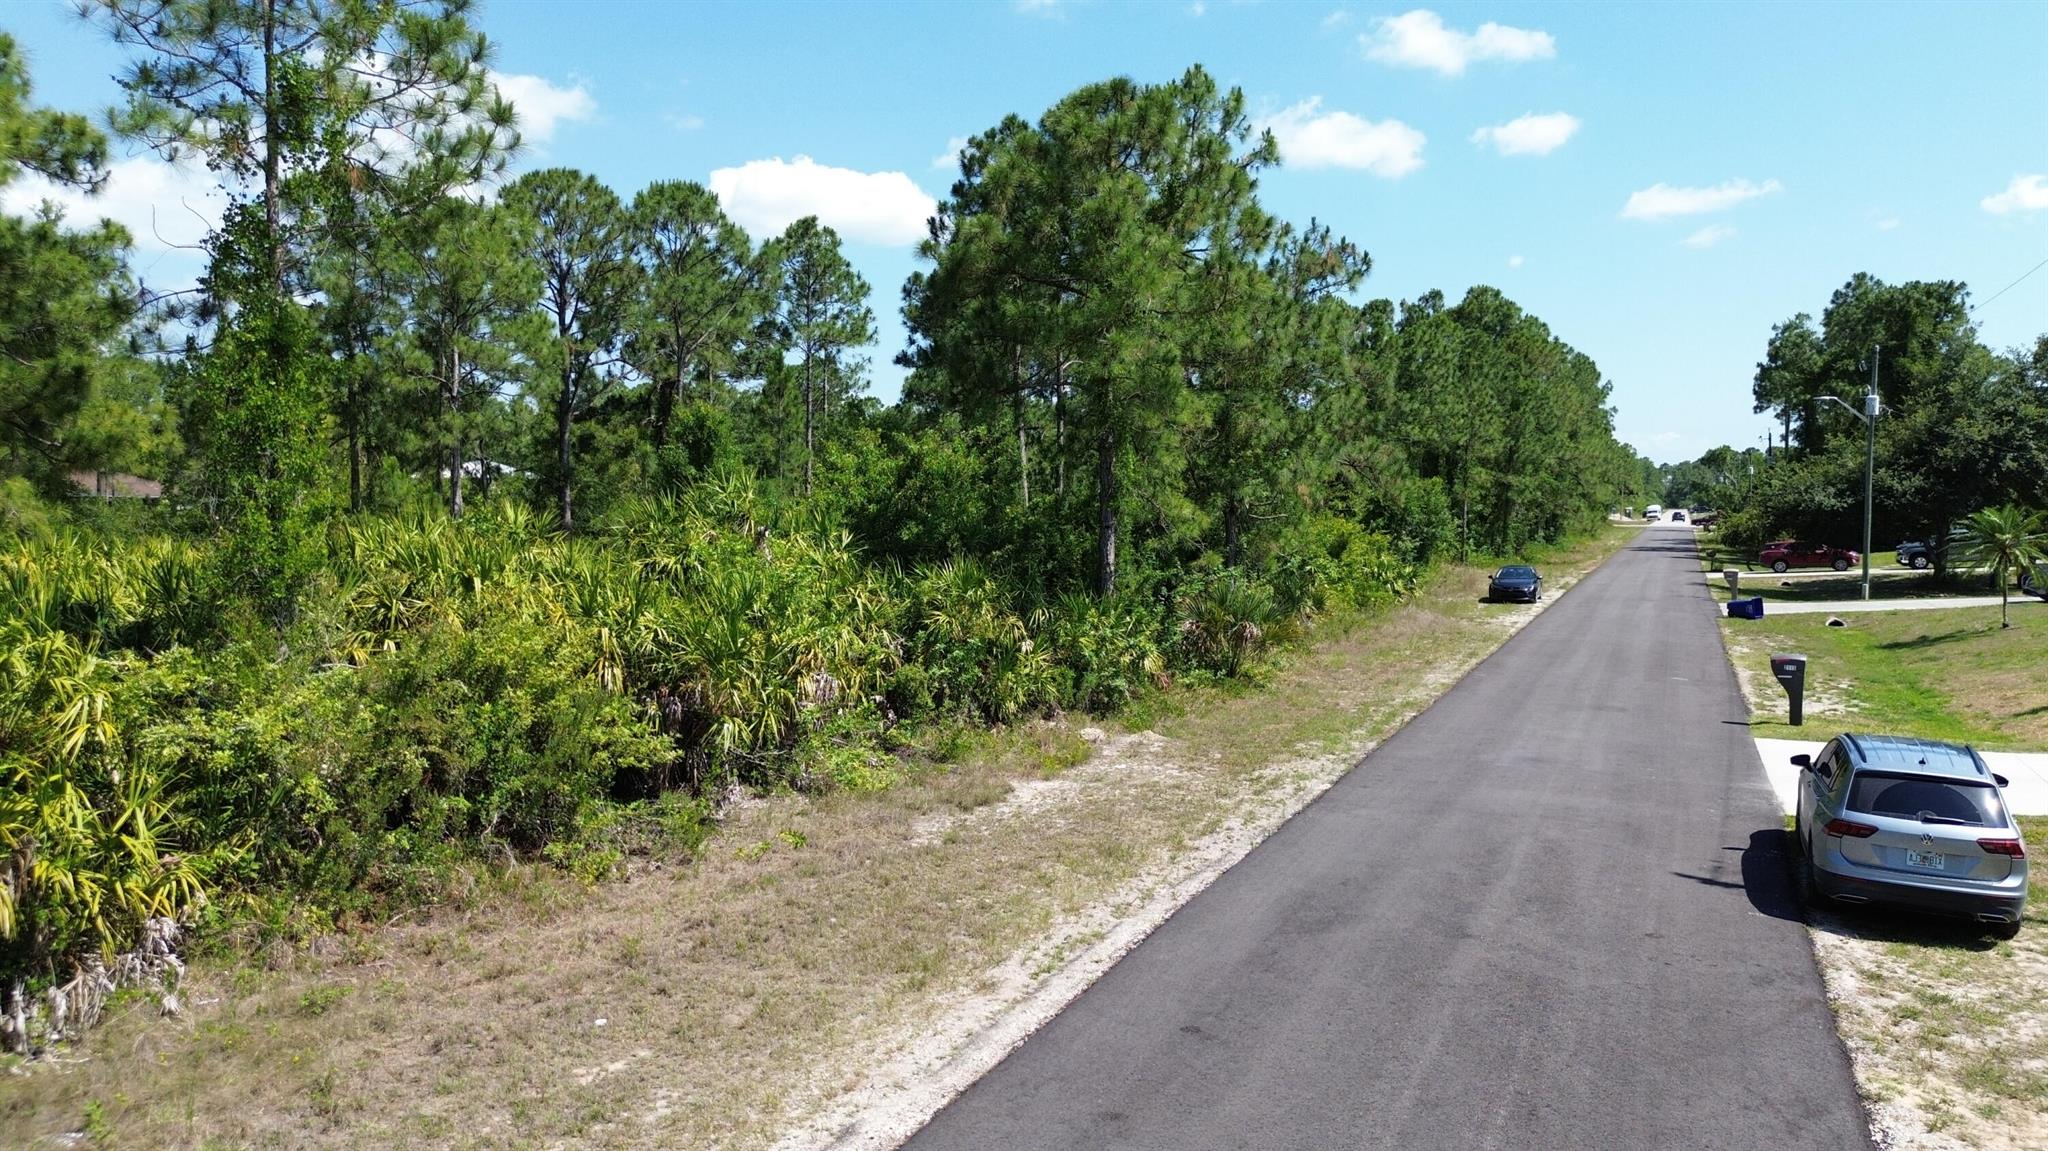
x: 1913, y: 823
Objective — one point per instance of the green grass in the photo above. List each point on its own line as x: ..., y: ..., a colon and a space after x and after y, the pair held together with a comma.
x: 1949, y: 674
x: 1798, y: 588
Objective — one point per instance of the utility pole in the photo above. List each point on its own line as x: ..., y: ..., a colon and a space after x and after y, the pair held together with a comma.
x: 1871, y: 408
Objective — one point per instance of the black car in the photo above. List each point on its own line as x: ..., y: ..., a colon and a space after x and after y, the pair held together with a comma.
x: 1515, y: 582
x: 1917, y: 554
x: 1921, y: 554
x: 2034, y: 581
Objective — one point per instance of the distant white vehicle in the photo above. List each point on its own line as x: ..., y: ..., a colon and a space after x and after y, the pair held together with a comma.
x: 1654, y: 512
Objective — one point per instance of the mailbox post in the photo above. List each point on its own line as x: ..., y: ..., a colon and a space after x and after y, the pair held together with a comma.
x: 1790, y: 672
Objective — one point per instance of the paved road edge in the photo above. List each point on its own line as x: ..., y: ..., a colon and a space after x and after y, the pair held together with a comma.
x: 913, y: 1085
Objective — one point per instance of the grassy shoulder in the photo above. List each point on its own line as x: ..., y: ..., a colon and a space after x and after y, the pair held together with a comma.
x: 1950, y: 674
x: 1947, y: 1029
x: 716, y: 1003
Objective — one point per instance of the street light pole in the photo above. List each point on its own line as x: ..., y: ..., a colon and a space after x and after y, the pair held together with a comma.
x: 1871, y: 408
x: 1869, y: 460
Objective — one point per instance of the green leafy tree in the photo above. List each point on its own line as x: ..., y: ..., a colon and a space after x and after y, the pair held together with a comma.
x: 1266, y: 349
x: 821, y: 315
x: 704, y: 293
x: 1962, y: 428
x: 63, y: 147
x: 1097, y: 217
x: 580, y: 239
x: 468, y: 283
x: 64, y: 301
x: 66, y: 293
x: 277, y: 93
x: 254, y: 408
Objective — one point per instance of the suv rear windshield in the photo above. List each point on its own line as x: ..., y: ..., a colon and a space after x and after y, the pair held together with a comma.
x: 1933, y: 800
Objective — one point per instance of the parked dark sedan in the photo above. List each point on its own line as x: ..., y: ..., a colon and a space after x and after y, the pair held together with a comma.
x: 1515, y: 582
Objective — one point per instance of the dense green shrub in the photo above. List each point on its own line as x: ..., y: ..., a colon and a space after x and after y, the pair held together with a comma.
x: 447, y: 691
x: 1110, y: 649
x: 973, y: 655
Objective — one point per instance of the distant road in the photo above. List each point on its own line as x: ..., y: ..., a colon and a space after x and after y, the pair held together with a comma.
x: 1551, y: 912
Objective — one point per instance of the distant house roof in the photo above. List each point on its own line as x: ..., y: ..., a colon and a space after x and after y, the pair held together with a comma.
x: 117, y: 485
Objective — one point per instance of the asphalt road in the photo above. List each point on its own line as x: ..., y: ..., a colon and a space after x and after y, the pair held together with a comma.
x: 1551, y: 912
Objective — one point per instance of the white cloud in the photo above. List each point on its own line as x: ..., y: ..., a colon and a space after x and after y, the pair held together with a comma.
x: 2024, y: 194
x: 1514, y: 261
x: 1198, y: 9
x: 766, y: 196
x: 1661, y: 200
x: 1884, y: 223
x: 1037, y: 7
x: 1708, y: 236
x: 1336, y: 20
x: 683, y: 121
x: 950, y: 158
x: 1530, y: 135
x: 543, y: 106
x: 1388, y: 148
x: 164, y: 206
x: 1419, y: 39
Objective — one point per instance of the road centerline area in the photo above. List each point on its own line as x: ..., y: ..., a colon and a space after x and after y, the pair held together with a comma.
x: 1550, y: 912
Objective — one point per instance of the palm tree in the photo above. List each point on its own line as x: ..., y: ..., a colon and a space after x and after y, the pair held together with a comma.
x: 2003, y: 539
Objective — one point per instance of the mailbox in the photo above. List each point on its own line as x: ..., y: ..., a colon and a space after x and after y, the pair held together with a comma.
x: 1733, y: 577
x: 1790, y: 672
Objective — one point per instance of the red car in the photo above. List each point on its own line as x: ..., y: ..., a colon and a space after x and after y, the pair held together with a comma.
x: 1787, y: 554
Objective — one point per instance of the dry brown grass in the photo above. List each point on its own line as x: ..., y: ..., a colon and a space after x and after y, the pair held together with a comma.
x: 1948, y: 1030
x: 713, y: 1004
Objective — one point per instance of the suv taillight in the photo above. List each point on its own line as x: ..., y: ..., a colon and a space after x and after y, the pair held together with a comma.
x: 1852, y: 830
x: 2011, y: 847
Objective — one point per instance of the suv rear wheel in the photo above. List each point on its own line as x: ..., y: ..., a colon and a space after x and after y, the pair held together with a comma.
x: 1780, y: 566
x: 1918, y: 563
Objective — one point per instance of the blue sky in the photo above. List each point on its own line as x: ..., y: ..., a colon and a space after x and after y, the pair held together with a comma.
x: 1659, y: 182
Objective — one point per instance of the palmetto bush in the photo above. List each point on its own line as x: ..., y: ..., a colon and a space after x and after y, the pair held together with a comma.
x: 448, y: 691
x: 93, y: 838
x: 974, y: 656
x: 1110, y: 649
x: 1227, y: 619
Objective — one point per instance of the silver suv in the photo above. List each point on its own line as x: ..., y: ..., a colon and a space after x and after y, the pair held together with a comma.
x: 1913, y: 823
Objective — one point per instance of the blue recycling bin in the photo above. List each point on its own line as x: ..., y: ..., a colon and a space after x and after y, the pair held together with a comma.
x: 1751, y: 607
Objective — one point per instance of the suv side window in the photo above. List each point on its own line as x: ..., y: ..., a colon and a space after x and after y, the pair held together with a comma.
x: 1838, y: 771
x: 1824, y: 765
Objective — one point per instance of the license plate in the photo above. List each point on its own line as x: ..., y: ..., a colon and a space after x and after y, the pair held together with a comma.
x: 1932, y: 861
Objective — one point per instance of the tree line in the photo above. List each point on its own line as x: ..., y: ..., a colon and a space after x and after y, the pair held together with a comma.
x: 1964, y: 427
